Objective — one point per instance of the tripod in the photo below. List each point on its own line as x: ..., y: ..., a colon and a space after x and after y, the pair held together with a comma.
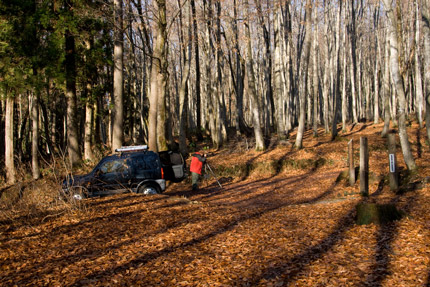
x: 213, y: 174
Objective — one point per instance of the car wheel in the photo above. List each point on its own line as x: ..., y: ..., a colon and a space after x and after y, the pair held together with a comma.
x: 148, y: 189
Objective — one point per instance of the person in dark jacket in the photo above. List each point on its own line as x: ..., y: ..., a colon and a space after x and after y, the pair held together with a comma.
x: 197, y: 162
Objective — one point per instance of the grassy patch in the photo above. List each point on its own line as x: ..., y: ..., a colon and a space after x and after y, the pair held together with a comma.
x: 268, y: 167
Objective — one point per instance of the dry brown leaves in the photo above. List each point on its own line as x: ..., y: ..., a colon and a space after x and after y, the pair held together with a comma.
x: 292, y: 229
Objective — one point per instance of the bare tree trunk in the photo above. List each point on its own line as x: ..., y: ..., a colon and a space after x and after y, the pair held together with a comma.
x: 376, y: 87
x: 338, y: 71
x: 89, y: 120
x: 418, y: 78
x: 289, y: 84
x: 386, y: 89
x: 344, y: 81
x: 9, y: 148
x: 315, y: 76
x: 259, y: 140
x: 157, y: 104
x: 352, y: 32
x: 46, y: 123
x: 326, y: 79
x: 187, y: 46
x: 219, y: 100
x: 361, y: 110
x: 267, y: 65
x: 377, y: 68
x: 306, y: 56
x: 425, y: 17
x: 35, y: 135
x: 279, y: 95
x: 162, y: 111
x: 211, y: 102
x: 2, y: 118
x: 118, y: 82
x: 153, y: 98
x: 72, y: 129
x: 398, y: 83
x: 198, y: 75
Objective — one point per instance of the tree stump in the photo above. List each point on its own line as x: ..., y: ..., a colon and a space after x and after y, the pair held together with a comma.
x: 368, y: 213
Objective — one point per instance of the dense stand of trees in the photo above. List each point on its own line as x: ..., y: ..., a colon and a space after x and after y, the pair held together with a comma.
x: 78, y: 76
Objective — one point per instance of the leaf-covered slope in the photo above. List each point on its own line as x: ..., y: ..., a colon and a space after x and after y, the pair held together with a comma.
x: 292, y: 226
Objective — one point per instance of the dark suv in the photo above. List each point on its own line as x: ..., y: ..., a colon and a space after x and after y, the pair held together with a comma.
x: 134, y: 169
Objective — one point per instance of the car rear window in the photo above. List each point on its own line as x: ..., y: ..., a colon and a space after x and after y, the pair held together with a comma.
x: 146, y: 162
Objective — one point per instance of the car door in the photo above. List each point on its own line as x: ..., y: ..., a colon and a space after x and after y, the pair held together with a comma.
x: 174, y: 166
x: 112, y: 176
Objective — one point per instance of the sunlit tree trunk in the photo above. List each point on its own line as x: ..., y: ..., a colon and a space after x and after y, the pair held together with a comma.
x: 376, y: 75
x: 153, y: 101
x: 157, y: 105
x: 326, y: 77
x: 418, y: 78
x: 267, y: 66
x: 259, y: 140
x: 398, y: 83
x: 163, y: 85
x: 35, y: 135
x: 386, y: 88
x: 9, y: 148
x: 425, y: 17
x: 118, y: 82
x: 220, y: 99
x: 337, y: 103
x: 89, y: 120
x: 242, y: 127
x: 376, y: 85
x: 198, y: 75
x: 344, y: 81
x: 209, y: 99
x: 306, y: 56
x: 278, y: 85
x: 315, y: 76
x: 187, y: 46
x: 352, y: 33
x: 289, y: 85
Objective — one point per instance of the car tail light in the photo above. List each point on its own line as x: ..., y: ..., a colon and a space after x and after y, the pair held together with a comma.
x: 162, y: 173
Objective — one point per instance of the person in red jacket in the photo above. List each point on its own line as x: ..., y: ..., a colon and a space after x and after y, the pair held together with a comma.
x: 197, y: 162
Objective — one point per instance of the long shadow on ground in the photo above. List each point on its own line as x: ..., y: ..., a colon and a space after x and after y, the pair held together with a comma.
x: 291, y: 267
x: 386, y: 235
x: 223, y: 228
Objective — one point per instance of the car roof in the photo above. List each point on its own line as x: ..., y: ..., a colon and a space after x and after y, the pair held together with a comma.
x: 128, y: 155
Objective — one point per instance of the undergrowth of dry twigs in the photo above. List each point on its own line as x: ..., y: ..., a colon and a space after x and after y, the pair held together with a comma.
x: 283, y: 217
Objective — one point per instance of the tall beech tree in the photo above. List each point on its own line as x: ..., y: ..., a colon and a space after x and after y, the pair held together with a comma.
x: 304, y: 76
x: 398, y: 83
x: 159, y: 81
x: 425, y: 17
x: 118, y: 78
x: 73, y: 148
x: 9, y: 139
x: 183, y: 93
x: 259, y: 140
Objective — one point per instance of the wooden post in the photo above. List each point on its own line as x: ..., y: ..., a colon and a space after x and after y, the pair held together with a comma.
x: 364, y: 167
x: 393, y: 176
x: 351, y: 163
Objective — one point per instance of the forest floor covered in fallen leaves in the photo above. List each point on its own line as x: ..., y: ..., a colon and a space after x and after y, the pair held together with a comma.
x: 287, y: 223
